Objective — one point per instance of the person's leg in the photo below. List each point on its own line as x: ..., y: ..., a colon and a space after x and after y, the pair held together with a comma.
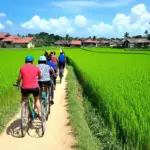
x: 38, y: 105
x: 37, y: 101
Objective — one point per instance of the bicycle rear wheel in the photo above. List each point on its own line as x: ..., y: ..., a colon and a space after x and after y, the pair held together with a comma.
x: 43, y: 117
x: 48, y: 103
x: 24, y: 118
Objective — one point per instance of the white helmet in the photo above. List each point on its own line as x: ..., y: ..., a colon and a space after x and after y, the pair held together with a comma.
x: 42, y: 58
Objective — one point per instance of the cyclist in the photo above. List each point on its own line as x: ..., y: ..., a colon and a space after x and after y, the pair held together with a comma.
x: 44, y: 68
x: 54, y: 60
x: 62, y: 60
x: 28, y: 74
x: 51, y: 64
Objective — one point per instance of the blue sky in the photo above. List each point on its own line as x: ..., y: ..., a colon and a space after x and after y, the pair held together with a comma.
x: 111, y: 18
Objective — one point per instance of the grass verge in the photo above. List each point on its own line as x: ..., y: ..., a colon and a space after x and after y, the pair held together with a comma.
x: 85, y: 139
x: 92, y: 132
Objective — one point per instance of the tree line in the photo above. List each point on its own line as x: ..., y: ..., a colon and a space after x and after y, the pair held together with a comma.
x: 46, y: 39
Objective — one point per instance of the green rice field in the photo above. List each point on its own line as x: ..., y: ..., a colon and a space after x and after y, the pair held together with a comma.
x: 117, y: 82
x: 119, y: 85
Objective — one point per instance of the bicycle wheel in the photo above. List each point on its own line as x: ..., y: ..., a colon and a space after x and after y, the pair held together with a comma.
x: 48, y: 103
x: 43, y: 117
x: 24, y: 118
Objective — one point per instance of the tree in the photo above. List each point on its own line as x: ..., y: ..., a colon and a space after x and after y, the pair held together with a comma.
x: 146, y: 32
x: 67, y: 37
x: 126, y: 35
x: 90, y: 37
x: 94, y: 37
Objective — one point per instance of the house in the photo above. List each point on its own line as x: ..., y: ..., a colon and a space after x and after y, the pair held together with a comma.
x: 26, y: 42
x: 90, y: 43
x: 116, y: 43
x: 3, y: 35
x: 62, y: 43
x: 8, y: 40
x: 104, y: 43
x: 75, y: 43
x: 136, y: 43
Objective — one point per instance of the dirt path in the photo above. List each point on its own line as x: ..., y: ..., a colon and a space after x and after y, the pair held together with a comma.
x: 58, y: 134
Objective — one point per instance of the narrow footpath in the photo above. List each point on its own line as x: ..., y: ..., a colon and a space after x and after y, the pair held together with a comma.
x: 58, y: 135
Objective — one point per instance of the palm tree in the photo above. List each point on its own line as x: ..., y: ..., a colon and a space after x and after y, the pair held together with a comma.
x: 126, y: 35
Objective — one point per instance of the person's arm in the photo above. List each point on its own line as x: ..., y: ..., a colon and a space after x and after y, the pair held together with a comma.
x: 39, y: 74
x: 52, y: 71
x: 19, y: 79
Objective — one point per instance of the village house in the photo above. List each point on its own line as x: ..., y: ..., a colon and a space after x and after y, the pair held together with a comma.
x: 136, y: 43
x: 3, y: 36
x: 90, y: 43
x: 116, y: 44
x: 75, y: 43
x: 104, y: 43
x: 7, y: 42
x: 26, y: 42
x: 62, y: 43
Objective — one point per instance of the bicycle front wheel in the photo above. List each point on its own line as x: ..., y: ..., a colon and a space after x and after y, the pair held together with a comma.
x: 43, y: 117
x: 24, y: 118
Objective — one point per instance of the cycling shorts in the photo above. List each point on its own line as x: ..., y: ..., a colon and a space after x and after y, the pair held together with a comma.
x: 47, y: 83
x: 26, y: 92
x: 62, y: 65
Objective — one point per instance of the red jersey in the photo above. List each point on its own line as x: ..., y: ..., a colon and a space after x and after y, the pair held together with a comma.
x: 54, y: 59
x: 30, y: 74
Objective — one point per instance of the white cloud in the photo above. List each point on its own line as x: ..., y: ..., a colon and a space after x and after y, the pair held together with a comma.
x: 37, y: 23
x: 60, y: 25
x: 9, y: 22
x: 100, y: 29
x: 80, y: 21
x: 135, y: 23
x: 2, y: 15
x: 139, y: 9
x: 2, y: 26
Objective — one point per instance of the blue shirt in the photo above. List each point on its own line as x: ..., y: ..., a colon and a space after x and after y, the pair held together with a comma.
x: 51, y: 64
x: 61, y: 58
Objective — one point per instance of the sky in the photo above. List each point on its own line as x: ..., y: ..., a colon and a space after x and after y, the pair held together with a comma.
x: 79, y: 18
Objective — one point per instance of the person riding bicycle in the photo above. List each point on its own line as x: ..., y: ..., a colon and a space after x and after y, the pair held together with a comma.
x: 28, y: 74
x: 51, y: 64
x: 61, y: 60
x: 44, y: 68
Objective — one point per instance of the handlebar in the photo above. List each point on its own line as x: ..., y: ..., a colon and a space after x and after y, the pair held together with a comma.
x: 17, y: 85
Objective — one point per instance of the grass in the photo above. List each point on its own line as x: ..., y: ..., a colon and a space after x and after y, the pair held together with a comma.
x: 118, y: 84
x: 85, y: 139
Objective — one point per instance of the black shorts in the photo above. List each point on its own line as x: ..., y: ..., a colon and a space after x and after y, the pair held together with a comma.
x: 62, y: 65
x: 47, y: 83
x: 34, y: 91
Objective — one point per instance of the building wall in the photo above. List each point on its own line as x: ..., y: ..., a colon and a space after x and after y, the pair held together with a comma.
x: 31, y: 45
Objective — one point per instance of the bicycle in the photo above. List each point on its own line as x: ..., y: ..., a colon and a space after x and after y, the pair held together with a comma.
x: 28, y: 114
x: 45, y: 96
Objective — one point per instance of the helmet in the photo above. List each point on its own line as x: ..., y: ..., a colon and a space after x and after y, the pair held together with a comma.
x: 29, y: 59
x: 42, y: 58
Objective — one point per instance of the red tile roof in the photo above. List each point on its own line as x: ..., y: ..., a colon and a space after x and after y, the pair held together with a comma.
x: 23, y: 40
x: 91, y: 41
x: 75, y: 42
x: 3, y: 35
x: 11, y: 38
